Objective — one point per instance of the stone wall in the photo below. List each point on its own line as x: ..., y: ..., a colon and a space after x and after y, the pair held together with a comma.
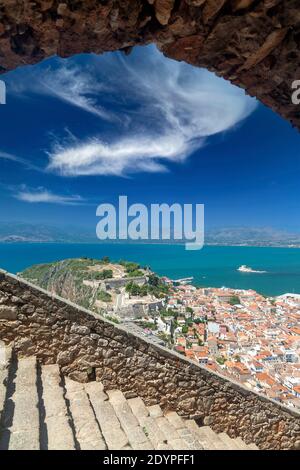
x: 115, y: 283
x: 253, y: 43
x: 88, y: 347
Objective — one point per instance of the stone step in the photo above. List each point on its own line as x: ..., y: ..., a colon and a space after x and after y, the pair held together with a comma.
x: 204, y: 439
x: 155, y: 435
x: 24, y: 431
x: 180, y: 437
x: 59, y: 431
x: 218, y: 442
x: 115, y: 437
x: 242, y: 445
x: 174, y: 439
x: 3, y: 382
x: 87, y: 430
x: 135, y: 433
x: 185, y: 433
x: 5, y: 356
x: 43, y: 410
x: 231, y: 443
x: 175, y: 419
x: 214, y: 439
x: 252, y: 446
x: 155, y: 411
x: 5, y: 359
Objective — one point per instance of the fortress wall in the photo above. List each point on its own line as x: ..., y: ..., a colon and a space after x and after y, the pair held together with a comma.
x: 122, y: 282
x: 87, y: 347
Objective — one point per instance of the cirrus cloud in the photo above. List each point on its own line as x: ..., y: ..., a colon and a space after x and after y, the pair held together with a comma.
x: 150, y: 111
x: 42, y: 195
x: 171, y: 109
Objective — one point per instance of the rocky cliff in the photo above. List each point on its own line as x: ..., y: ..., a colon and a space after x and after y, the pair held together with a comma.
x: 71, y: 279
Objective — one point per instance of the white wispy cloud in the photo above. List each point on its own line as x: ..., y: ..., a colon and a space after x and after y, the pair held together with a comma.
x: 42, y: 195
x: 126, y: 155
x: 19, y: 160
x: 159, y: 111
x: 173, y: 109
x: 76, y: 87
x: 8, y: 156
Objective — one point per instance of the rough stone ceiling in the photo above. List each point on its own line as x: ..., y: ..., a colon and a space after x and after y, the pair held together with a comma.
x: 253, y: 43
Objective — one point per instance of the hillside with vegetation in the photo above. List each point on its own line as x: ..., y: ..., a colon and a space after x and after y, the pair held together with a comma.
x: 95, y: 284
x: 68, y: 278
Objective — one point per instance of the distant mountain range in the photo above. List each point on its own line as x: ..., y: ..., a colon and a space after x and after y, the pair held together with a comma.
x: 21, y: 232
x: 241, y: 236
x: 252, y: 236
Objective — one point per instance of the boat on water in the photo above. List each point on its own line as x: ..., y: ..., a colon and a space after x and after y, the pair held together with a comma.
x: 183, y: 281
x: 247, y: 269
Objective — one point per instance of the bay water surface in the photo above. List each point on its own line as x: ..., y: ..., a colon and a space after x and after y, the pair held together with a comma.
x: 213, y: 266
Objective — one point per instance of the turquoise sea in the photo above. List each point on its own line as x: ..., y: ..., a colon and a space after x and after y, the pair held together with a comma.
x: 214, y: 266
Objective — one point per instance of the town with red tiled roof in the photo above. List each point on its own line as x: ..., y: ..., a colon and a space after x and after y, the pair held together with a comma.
x: 239, y: 333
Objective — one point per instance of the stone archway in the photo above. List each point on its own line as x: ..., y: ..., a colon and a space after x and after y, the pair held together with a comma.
x: 253, y: 43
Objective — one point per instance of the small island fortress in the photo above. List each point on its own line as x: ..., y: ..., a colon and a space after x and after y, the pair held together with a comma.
x: 247, y: 269
x: 56, y: 349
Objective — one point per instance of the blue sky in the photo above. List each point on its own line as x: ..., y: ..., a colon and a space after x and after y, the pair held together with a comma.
x: 79, y: 132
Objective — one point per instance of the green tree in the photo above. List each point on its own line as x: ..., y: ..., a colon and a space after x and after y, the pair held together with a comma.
x: 221, y: 360
x: 153, y: 280
x: 105, y: 274
x: 234, y: 300
x: 104, y: 296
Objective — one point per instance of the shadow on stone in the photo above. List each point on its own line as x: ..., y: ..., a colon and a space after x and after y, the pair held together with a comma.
x: 9, y: 405
x: 42, y: 411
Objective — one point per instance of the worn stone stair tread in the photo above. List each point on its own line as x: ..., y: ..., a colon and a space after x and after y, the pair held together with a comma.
x: 3, y: 379
x: 155, y: 411
x: 242, y: 445
x: 59, y: 431
x: 191, y: 439
x: 252, y: 446
x: 173, y: 437
x: 110, y: 426
x: 136, y: 435
x: 213, y: 441
x: 203, y: 438
x: 156, y: 436
x: 24, y: 432
x: 214, y: 438
x: 231, y: 443
x: 85, y: 417
x: 138, y: 407
x: 87, y: 430
x: 5, y: 356
x: 185, y: 433
x: 166, y: 427
x: 5, y: 359
x: 175, y: 419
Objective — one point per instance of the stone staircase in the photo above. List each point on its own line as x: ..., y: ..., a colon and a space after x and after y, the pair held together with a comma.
x: 40, y: 409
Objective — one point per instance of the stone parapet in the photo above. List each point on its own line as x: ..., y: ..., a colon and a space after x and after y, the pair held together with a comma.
x: 87, y: 346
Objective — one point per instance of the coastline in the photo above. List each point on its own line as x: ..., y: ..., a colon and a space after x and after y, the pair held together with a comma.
x: 213, y: 266
x: 134, y: 243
